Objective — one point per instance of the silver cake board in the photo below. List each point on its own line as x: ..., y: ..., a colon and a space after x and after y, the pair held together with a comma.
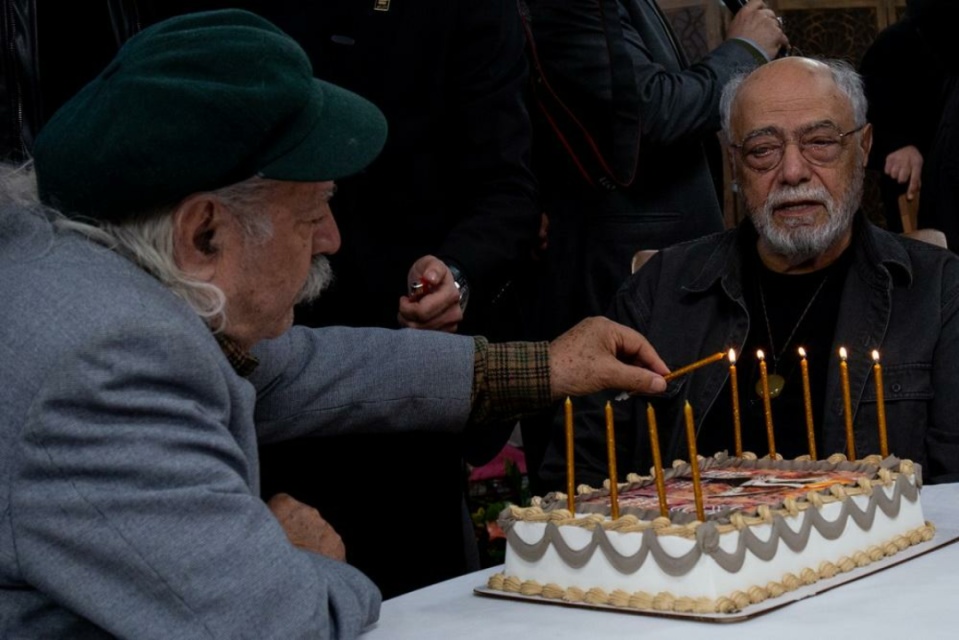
x: 941, y: 539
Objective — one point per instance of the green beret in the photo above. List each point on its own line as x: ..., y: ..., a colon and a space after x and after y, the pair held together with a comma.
x: 196, y: 103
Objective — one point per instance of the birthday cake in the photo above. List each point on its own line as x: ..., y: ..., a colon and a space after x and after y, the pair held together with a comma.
x: 771, y: 526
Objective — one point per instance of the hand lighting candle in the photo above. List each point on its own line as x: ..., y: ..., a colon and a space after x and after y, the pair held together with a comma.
x: 611, y: 452
x: 734, y: 391
x: 767, y: 406
x: 672, y: 375
x: 880, y: 405
x: 694, y: 462
x: 570, y: 479
x: 807, y: 403
x: 846, y: 404
x: 657, y: 460
x: 716, y: 357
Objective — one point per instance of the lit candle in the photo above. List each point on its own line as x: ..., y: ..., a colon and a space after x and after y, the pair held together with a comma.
x: 807, y: 403
x: 880, y: 405
x: 694, y: 462
x: 716, y: 357
x: 734, y: 391
x: 767, y: 405
x: 657, y: 460
x: 846, y: 404
x: 611, y: 451
x: 570, y: 477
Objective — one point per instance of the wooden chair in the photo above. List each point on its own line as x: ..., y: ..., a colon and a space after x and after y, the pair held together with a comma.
x: 909, y: 213
x: 640, y: 258
x: 932, y: 236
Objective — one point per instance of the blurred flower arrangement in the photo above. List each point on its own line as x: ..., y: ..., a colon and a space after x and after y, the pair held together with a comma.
x: 488, y: 498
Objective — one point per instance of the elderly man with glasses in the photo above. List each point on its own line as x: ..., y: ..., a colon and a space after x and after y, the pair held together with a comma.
x: 805, y: 270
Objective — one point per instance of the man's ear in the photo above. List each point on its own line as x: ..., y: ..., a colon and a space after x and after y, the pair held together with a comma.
x: 198, y: 230
x: 733, y: 158
x: 866, y: 142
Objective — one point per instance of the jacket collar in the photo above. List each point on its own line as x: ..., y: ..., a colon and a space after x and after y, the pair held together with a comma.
x: 880, y: 257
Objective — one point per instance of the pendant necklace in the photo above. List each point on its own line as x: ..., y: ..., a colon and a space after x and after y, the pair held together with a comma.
x: 777, y: 381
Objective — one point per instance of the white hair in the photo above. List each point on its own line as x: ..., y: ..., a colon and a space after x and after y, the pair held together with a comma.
x: 146, y: 238
x: 848, y: 81
x: 18, y: 187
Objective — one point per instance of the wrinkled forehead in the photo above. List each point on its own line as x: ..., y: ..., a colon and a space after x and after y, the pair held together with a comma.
x: 789, y: 98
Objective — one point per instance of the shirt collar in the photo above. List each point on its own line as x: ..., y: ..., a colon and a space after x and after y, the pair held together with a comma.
x: 880, y: 257
x: 242, y: 361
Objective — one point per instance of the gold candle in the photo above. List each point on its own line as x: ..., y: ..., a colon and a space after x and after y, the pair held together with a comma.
x: 570, y: 473
x: 880, y: 405
x: 847, y: 404
x: 807, y: 403
x: 657, y: 460
x: 734, y: 391
x: 611, y: 451
x: 694, y: 462
x: 716, y: 357
x: 767, y: 406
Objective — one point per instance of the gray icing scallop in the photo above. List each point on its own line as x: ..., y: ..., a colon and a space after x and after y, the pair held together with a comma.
x: 707, y: 536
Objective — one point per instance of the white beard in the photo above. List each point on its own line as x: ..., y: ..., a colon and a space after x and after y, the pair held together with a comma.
x: 799, y: 239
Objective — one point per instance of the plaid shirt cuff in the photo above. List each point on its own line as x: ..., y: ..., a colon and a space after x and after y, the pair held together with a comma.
x: 242, y: 361
x: 510, y: 379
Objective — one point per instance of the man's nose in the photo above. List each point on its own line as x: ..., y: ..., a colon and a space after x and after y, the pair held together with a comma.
x: 326, y: 239
x: 794, y: 168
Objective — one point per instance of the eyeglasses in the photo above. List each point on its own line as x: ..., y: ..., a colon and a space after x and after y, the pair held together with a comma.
x: 821, y: 146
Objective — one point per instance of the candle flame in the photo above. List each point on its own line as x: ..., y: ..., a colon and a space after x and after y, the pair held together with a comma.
x: 875, y: 355
x: 732, y: 356
x: 802, y: 352
x: 842, y: 352
x: 760, y: 354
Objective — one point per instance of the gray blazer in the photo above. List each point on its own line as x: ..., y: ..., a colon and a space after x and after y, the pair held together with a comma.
x: 128, y: 464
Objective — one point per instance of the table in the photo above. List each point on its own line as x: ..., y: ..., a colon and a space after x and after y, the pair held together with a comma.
x: 913, y: 599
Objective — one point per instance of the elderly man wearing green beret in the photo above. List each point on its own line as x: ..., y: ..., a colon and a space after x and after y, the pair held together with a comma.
x: 147, y: 347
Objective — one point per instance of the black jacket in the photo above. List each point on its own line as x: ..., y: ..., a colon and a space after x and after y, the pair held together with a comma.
x: 900, y: 296
x: 48, y: 51
x: 19, y: 92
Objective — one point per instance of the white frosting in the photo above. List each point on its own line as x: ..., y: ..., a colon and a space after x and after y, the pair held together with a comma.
x: 707, y: 579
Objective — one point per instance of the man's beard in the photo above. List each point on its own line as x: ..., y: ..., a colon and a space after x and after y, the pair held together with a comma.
x: 799, y: 239
x: 318, y: 279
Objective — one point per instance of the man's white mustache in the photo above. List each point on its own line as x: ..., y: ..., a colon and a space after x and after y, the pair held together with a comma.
x: 789, y: 195
x: 319, y: 278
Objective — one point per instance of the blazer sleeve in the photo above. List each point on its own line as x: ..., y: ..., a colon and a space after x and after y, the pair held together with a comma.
x: 131, y: 504
x: 338, y: 380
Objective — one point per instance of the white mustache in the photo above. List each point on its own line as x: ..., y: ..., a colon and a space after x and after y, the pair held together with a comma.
x: 806, y: 193
x: 319, y: 278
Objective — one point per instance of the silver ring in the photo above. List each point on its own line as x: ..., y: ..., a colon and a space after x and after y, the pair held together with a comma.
x: 779, y: 19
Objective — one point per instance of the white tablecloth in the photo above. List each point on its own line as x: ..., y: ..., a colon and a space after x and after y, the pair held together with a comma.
x: 916, y: 599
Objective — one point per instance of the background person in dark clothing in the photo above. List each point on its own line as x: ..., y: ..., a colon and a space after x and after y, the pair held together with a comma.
x: 905, y: 78
x: 453, y: 182
x: 621, y: 70
x: 939, y: 200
